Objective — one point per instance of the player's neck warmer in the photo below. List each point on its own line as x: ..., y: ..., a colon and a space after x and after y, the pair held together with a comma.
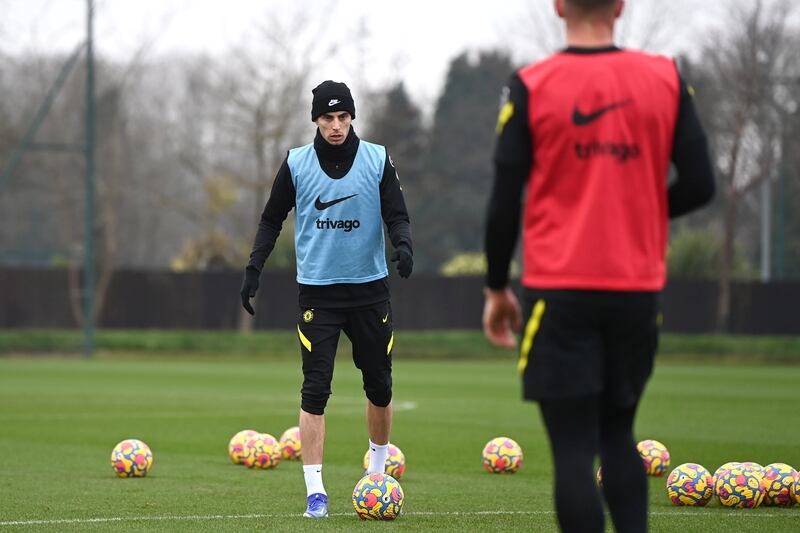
x: 337, y: 152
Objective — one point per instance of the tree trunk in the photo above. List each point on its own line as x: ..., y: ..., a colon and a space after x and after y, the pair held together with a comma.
x: 104, y: 272
x: 726, y: 262
x: 74, y: 289
x: 105, y: 266
x: 246, y: 322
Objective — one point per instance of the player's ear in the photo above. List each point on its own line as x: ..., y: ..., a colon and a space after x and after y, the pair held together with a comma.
x: 620, y: 7
x: 559, y: 7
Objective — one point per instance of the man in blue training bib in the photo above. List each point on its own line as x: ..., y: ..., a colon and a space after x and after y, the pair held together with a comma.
x: 342, y: 190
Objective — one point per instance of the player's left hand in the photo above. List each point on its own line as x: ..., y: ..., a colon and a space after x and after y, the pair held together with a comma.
x: 501, y: 317
x: 405, y: 261
x: 249, y: 288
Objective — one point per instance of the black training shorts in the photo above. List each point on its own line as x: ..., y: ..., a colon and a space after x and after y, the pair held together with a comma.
x: 579, y: 342
x: 370, y: 332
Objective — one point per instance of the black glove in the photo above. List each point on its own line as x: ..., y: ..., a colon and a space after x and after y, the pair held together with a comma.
x: 405, y: 261
x: 249, y: 288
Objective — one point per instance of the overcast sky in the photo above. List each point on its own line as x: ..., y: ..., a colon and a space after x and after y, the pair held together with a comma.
x: 412, y: 40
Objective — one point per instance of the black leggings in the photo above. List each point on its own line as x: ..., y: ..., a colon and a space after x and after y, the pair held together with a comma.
x: 579, y: 430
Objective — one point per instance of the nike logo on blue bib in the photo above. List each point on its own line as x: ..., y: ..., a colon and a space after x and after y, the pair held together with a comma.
x: 320, y: 205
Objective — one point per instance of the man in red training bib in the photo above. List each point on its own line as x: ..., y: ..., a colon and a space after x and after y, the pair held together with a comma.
x: 589, y: 134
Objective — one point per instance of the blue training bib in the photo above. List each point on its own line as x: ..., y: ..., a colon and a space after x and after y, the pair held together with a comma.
x: 338, y: 231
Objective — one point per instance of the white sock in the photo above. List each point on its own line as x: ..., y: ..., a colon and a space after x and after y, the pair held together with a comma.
x: 377, y: 457
x: 313, y: 475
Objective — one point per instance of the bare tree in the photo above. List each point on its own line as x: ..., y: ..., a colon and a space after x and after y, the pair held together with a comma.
x: 744, y: 108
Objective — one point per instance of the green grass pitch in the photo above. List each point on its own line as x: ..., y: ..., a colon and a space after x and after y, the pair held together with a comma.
x: 60, y: 418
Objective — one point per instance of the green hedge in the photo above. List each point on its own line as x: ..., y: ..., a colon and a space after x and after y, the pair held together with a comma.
x: 417, y: 344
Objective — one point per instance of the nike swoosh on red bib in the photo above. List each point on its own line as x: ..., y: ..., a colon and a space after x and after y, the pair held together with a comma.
x: 579, y: 119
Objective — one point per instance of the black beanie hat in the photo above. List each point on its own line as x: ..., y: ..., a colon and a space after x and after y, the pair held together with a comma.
x: 331, y: 96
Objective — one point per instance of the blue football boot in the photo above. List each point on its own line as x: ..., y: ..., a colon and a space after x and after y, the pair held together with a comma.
x: 317, y: 506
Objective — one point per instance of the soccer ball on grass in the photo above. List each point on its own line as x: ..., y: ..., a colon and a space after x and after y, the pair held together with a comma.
x: 690, y: 484
x: 796, y: 488
x: 779, y: 481
x: 131, y: 458
x: 263, y: 451
x: 238, y: 444
x: 655, y: 457
x: 502, y: 455
x: 290, y: 444
x: 740, y: 486
x: 378, y: 497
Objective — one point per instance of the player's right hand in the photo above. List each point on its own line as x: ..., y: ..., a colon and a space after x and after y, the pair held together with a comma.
x: 249, y: 288
x: 501, y: 317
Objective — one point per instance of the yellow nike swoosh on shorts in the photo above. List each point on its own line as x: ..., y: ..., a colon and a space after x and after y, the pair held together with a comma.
x: 384, y: 319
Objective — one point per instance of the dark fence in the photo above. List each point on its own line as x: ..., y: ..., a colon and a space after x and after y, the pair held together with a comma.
x: 31, y: 298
